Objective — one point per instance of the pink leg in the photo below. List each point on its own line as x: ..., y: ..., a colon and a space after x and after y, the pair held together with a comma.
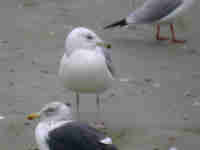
x: 174, y: 40
x: 158, y: 37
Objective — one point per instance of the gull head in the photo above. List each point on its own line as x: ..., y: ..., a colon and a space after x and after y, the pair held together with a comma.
x: 83, y: 38
x: 55, y: 111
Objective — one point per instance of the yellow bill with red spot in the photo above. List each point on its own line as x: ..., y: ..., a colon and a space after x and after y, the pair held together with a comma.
x: 33, y: 116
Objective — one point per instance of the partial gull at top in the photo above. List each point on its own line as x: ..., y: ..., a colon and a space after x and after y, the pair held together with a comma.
x: 86, y: 66
x: 157, y: 12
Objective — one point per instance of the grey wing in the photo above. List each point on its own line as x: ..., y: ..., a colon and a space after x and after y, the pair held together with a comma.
x: 109, y: 62
x: 153, y: 10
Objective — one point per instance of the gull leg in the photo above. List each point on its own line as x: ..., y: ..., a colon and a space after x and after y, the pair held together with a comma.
x: 77, y: 105
x: 158, y: 37
x: 98, y: 107
x: 99, y: 123
x: 174, y: 40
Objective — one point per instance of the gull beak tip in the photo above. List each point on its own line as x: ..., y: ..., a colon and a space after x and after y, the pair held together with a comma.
x: 108, y: 46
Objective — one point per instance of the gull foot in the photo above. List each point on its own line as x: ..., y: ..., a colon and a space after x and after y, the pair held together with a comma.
x: 162, y: 38
x: 178, y: 41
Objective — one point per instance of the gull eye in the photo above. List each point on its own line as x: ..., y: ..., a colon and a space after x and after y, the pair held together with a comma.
x: 90, y: 37
x: 68, y: 104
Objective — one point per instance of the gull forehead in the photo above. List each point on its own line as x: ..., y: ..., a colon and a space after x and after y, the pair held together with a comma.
x: 56, y: 105
x: 82, y: 31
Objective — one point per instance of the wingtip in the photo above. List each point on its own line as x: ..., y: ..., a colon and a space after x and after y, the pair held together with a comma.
x: 120, y: 23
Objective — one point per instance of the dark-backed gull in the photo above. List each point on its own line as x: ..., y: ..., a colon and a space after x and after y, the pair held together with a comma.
x: 58, y: 131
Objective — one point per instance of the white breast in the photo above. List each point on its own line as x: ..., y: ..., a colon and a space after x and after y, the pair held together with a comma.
x: 41, y: 134
x: 85, y: 71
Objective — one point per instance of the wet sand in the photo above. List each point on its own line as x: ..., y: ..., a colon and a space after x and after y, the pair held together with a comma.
x: 32, y: 37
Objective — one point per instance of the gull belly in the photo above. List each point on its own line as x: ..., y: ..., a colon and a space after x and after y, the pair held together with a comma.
x: 85, y: 71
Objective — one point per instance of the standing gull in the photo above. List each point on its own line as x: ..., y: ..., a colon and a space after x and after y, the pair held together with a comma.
x: 86, y: 66
x: 157, y: 12
x: 57, y: 131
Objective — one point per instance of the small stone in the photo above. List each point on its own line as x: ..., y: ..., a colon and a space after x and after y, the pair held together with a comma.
x: 11, y: 70
x: 112, y: 94
x: 185, y: 117
x: 184, y: 47
x: 193, y: 52
x: 188, y: 93
x: 3, y: 42
x: 35, y: 61
x: 11, y: 83
x: 2, y: 117
x: 148, y: 80
x: 124, y: 80
x: 20, y: 52
x: 44, y: 71
x: 156, y: 85
x: 196, y: 103
x: 52, y: 33
x: 27, y: 124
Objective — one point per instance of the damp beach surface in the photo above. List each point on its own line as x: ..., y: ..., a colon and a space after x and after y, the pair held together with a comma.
x: 161, y: 95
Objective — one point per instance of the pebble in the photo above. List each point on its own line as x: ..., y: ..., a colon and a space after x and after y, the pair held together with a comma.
x: 44, y: 71
x: 11, y: 70
x: 193, y: 52
x: 185, y: 117
x: 192, y: 92
x: 124, y: 80
x: 188, y: 93
x: 20, y: 52
x: 111, y: 95
x: 196, y: 103
x: 152, y: 82
x: 2, y: 42
x: 156, y: 85
x: 148, y: 80
x: 27, y: 123
x: 35, y: 61
x: 52, y: 33
x: 11, y: 83
x: 2, y: 117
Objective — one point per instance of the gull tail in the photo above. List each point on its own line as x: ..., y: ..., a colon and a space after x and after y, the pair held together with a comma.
x: 120, y: 23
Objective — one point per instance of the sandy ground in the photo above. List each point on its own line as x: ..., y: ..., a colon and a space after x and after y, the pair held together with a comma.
x: 163, y: 103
